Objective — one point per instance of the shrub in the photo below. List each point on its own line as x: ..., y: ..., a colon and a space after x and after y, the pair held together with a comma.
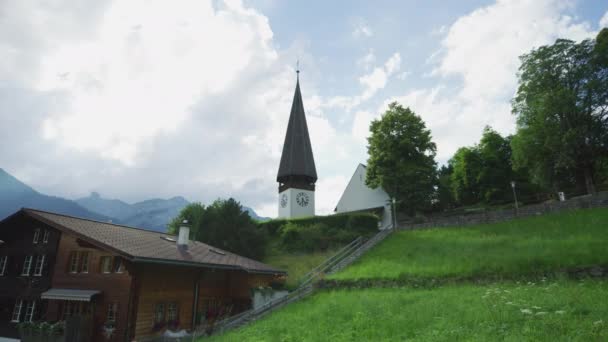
x: 322, y: 232
x: 363, y: 223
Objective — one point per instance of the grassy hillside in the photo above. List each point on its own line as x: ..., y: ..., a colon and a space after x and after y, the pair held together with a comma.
x: 296, y: 264
x: 519, y: 247
x: 480, y: 306
x: 562, y: 311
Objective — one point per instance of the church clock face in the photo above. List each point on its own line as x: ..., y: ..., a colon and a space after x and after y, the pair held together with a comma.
x: 302, y: 199
x: 283, y: 201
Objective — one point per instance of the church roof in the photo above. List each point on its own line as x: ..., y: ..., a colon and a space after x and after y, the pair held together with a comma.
x: 297, y: 158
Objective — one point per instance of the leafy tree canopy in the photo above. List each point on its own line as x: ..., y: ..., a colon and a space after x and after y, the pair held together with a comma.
x: 483, y: 173
x: 225, y: 225
x: 402, y: 158
x: 562, y: 112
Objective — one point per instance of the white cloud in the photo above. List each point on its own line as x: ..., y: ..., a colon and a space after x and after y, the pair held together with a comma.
x: 483, y: 48
x: 604, y: 20
x: 402, y: 76
x: 150, y: 99
x: 362, y: 30
x: 328, y: 192
x: 367, y: 60
x: 378, y: 78
x: 142, y: 74
x: 372, y: 82
x: 361, y: 121
x: 482, y: 51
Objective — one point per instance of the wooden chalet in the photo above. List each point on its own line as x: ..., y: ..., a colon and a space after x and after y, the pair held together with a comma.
x: 132, y: 283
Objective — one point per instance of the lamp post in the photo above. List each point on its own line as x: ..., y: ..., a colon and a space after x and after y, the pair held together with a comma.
x: 394, y: 202
x: 515, y: 197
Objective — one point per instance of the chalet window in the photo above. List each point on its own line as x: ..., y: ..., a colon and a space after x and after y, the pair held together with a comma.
x: 159, y: 313
x: 3, y: 261
x: 172, y: 312
x: 118, y: 266
x: 29, y: 311
x: 17, y: 311
x: 106, y: 264
x: 73, y: 265
x: 70, y: 308
x: 27, y: 264
x: 45, y: 238
x: 39, y: 267
x: 84, y: 262
x: 112, y: 313
x: 36, y: 235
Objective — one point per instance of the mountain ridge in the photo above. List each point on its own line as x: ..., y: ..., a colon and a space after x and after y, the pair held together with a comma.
x: 152, y: 214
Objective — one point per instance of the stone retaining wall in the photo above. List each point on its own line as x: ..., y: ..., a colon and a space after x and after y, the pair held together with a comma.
x: 590, y: 201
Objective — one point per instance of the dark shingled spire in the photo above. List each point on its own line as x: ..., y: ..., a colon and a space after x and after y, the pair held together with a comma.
x: 297, y: 168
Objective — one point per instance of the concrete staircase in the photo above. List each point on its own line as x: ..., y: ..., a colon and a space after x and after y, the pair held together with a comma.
x: 346, y: 256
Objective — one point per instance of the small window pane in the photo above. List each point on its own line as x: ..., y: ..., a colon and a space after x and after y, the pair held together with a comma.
x: 159, y: 313
x: 84, y: 262
x: 73, y: 267
x: 45, y: 238
x: 172, y: 312
x: 29, y: 311
x: 27, y: 265
x: 36, y: 235
x: 106, y: 264
x: 118, y: 266
x: 39, y: 265
x: 112, y: 312
x: 17, y: 311
x: 3, y: 261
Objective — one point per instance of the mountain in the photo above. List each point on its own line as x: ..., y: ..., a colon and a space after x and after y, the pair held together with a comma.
x: 152, y: 214
x: 15, y: 195
x: 254, y: 215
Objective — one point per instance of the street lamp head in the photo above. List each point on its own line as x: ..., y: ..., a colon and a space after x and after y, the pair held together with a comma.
x: 513, y: 184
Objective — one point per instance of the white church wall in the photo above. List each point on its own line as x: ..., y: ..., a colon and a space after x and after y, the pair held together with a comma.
x: 358, y: 196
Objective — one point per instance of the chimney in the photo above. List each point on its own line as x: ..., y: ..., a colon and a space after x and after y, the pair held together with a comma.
x: 184, y: 234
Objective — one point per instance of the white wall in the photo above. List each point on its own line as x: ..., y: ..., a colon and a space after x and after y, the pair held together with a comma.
x: 358, y: 196
x: 293, y: 209
x: 261, y: 297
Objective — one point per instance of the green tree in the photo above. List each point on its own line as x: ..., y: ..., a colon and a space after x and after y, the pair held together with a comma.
x: 496, y: 171
x: 464, y: 179
x: 402, y: 158
x: 225, y: 225
x: 483, y: 173
x: 445, y: 196
x: 562, y: 113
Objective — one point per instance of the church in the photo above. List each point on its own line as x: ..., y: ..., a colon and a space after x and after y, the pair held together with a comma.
x: 297, y: 173
x: 297, y: 176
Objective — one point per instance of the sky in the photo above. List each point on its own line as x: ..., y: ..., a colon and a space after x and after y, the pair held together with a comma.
x: 154, y: 99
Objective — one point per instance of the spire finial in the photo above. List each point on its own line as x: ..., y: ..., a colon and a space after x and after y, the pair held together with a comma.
x: 298, y: 69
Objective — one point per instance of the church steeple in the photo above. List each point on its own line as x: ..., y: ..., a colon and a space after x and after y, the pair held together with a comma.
x: 297, y: 167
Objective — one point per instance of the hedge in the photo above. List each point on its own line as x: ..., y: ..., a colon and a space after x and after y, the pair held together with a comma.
x: 320, y: 232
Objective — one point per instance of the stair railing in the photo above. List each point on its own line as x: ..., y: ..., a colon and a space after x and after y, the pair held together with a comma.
x: 303, y: 286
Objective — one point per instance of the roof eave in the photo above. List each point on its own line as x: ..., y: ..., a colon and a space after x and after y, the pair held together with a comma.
x: 203, y: 265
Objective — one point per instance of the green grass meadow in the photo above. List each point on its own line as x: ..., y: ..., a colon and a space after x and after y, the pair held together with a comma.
x: 544, y: 311
x: 520, y: 247
x: 297, y: 264
x: 507, y: 287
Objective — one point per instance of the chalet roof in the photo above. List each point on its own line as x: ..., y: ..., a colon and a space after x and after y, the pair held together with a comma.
x: 141, y: 245
x: 297, y: 158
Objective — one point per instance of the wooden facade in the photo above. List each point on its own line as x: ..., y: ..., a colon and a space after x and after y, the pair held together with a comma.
x: 79, y: 266
x: 24, y: 238
x: 136, y: 298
